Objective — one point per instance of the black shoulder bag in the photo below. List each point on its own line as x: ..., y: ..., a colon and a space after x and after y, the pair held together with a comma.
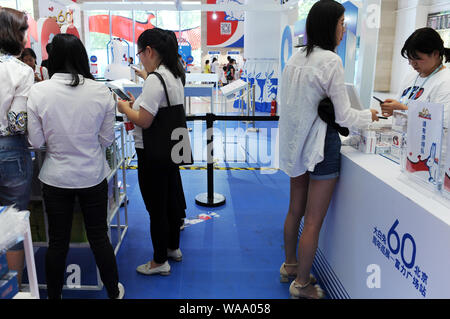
x: 326, y: 113
x: 158, y: 143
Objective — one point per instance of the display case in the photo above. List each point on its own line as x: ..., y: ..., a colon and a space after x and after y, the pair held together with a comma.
x: 21, y: 232
x: 117, y: 219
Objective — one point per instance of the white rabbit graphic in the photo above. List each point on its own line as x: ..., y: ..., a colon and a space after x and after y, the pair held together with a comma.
x: 432, y: 164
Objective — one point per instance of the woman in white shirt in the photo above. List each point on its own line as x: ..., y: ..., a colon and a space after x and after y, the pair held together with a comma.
x: 16, y: 78
x: 74, y: 117
x: 154, y: 112
x: 309, y: 148
x: 430, y: 82
x: 40, y: 72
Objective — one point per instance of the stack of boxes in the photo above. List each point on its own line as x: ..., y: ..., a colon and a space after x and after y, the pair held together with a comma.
x: 8, y: 280
x: 383, y: 138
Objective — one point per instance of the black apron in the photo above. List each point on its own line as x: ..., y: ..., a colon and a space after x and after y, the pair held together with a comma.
x: 164, y: 189
x: 158, y: 144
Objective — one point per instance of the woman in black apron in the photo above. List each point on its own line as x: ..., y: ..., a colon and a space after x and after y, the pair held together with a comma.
x: 158, y: 113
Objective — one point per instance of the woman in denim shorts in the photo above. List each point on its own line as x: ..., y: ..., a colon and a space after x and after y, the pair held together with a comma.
x: 309, y: 148
x: 15, y: 159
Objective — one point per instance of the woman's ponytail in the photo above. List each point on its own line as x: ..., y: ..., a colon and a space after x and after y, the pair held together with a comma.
x: 165, y: 43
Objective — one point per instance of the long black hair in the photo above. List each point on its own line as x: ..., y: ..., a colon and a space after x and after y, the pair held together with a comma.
x: 68, y: 55
x: 424, y: 40
x: 321, y: 25
x: 165, y: 43
x: 13, y: 25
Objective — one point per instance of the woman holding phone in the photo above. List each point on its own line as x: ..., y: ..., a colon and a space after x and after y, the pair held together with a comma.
x: 75, y: 132
x: 430, y: 80
x: 155, y: 112
x: 309, y: 148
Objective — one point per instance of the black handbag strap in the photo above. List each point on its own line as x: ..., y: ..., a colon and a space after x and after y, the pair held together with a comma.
x: 164, y: 85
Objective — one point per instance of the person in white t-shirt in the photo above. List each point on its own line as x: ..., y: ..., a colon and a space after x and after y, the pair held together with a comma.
x: 159, y: 181
x: 309, y: 148
x: 215, y: 65
x: 74, y: 116
x: 40, y: 72
x: 430, y: 82
x: 16, y: 166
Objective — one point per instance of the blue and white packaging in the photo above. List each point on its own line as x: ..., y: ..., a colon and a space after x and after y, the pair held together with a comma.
x: 8, y: 285
x: 3, y: 265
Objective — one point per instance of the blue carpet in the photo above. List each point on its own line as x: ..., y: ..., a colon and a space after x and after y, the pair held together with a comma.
x: 236, y: 255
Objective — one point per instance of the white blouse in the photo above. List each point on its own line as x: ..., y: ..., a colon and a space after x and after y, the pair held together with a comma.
x: 305, y: 82
x: 435, y: 90
x: 41, y: 72
x: 153, y: 97
x: 76, y: 124
x: 16, y: 79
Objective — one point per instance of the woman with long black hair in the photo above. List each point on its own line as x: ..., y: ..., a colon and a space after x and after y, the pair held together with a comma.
x: 157, y: 112
x: 74, y: 117
x: 309, y: 148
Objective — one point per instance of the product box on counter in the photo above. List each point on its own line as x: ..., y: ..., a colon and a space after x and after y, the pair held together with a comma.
x: 3, y: 265
x: 8, y: 285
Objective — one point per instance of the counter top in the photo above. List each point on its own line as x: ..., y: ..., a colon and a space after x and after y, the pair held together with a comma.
x: 389, y: 172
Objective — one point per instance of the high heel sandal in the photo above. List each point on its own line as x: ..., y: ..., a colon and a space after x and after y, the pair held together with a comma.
x: 296, y: 288
x: 286, y: 277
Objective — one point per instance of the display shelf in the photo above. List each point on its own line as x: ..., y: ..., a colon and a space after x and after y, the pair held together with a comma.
x: 115, y: 170
x: 31, y: 267
x: 115, y: 155
x: 115, y: 208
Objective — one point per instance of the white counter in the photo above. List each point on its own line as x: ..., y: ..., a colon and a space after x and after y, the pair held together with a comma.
x: 354, y: 253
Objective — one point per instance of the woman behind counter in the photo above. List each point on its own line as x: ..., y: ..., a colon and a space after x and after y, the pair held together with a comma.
x: 74, y: 117
x: 16, y: 79
x: 430, y: 82
x: 159, y: 180
x: 40, y: 72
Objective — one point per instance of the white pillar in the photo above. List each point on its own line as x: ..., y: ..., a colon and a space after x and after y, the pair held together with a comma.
x: 262, y: 49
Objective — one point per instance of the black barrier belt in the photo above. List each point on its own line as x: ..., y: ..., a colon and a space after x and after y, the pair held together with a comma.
x: 213, y: 117
x: 210, y: 118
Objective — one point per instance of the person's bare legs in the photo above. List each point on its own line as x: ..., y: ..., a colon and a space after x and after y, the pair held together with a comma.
x: 297, y: 204
x: 320, y: 193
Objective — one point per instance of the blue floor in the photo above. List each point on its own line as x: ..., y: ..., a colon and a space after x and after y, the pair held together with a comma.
x: 235, y: 255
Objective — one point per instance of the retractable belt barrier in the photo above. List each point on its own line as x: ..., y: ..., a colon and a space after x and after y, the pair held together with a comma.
x: 211, y: 199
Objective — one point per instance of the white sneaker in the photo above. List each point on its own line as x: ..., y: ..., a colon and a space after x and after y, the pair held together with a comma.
x: 146, y: 269
x: 175, y: 254
x: 121, y: 291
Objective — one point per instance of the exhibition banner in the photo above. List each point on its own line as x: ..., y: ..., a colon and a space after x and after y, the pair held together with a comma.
x: 63, y: 11
x: 225, y: 28
x: 424, y: 140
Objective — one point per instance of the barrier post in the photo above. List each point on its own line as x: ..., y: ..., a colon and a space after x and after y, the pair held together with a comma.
x: 210, y: 199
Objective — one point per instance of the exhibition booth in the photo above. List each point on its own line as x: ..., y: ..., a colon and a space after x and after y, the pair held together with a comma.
x: 386, y: 230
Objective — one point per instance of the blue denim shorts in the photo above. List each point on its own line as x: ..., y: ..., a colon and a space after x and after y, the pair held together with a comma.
x: 16, y: 172
x: 331, y: 165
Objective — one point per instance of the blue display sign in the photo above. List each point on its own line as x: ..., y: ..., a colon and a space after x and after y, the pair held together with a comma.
x: 401, y: 250
x: 93, y: 58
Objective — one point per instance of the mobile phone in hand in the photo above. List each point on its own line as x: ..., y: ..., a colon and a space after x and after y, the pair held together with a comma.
x: 378, y: 99
x: 121, y: 94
